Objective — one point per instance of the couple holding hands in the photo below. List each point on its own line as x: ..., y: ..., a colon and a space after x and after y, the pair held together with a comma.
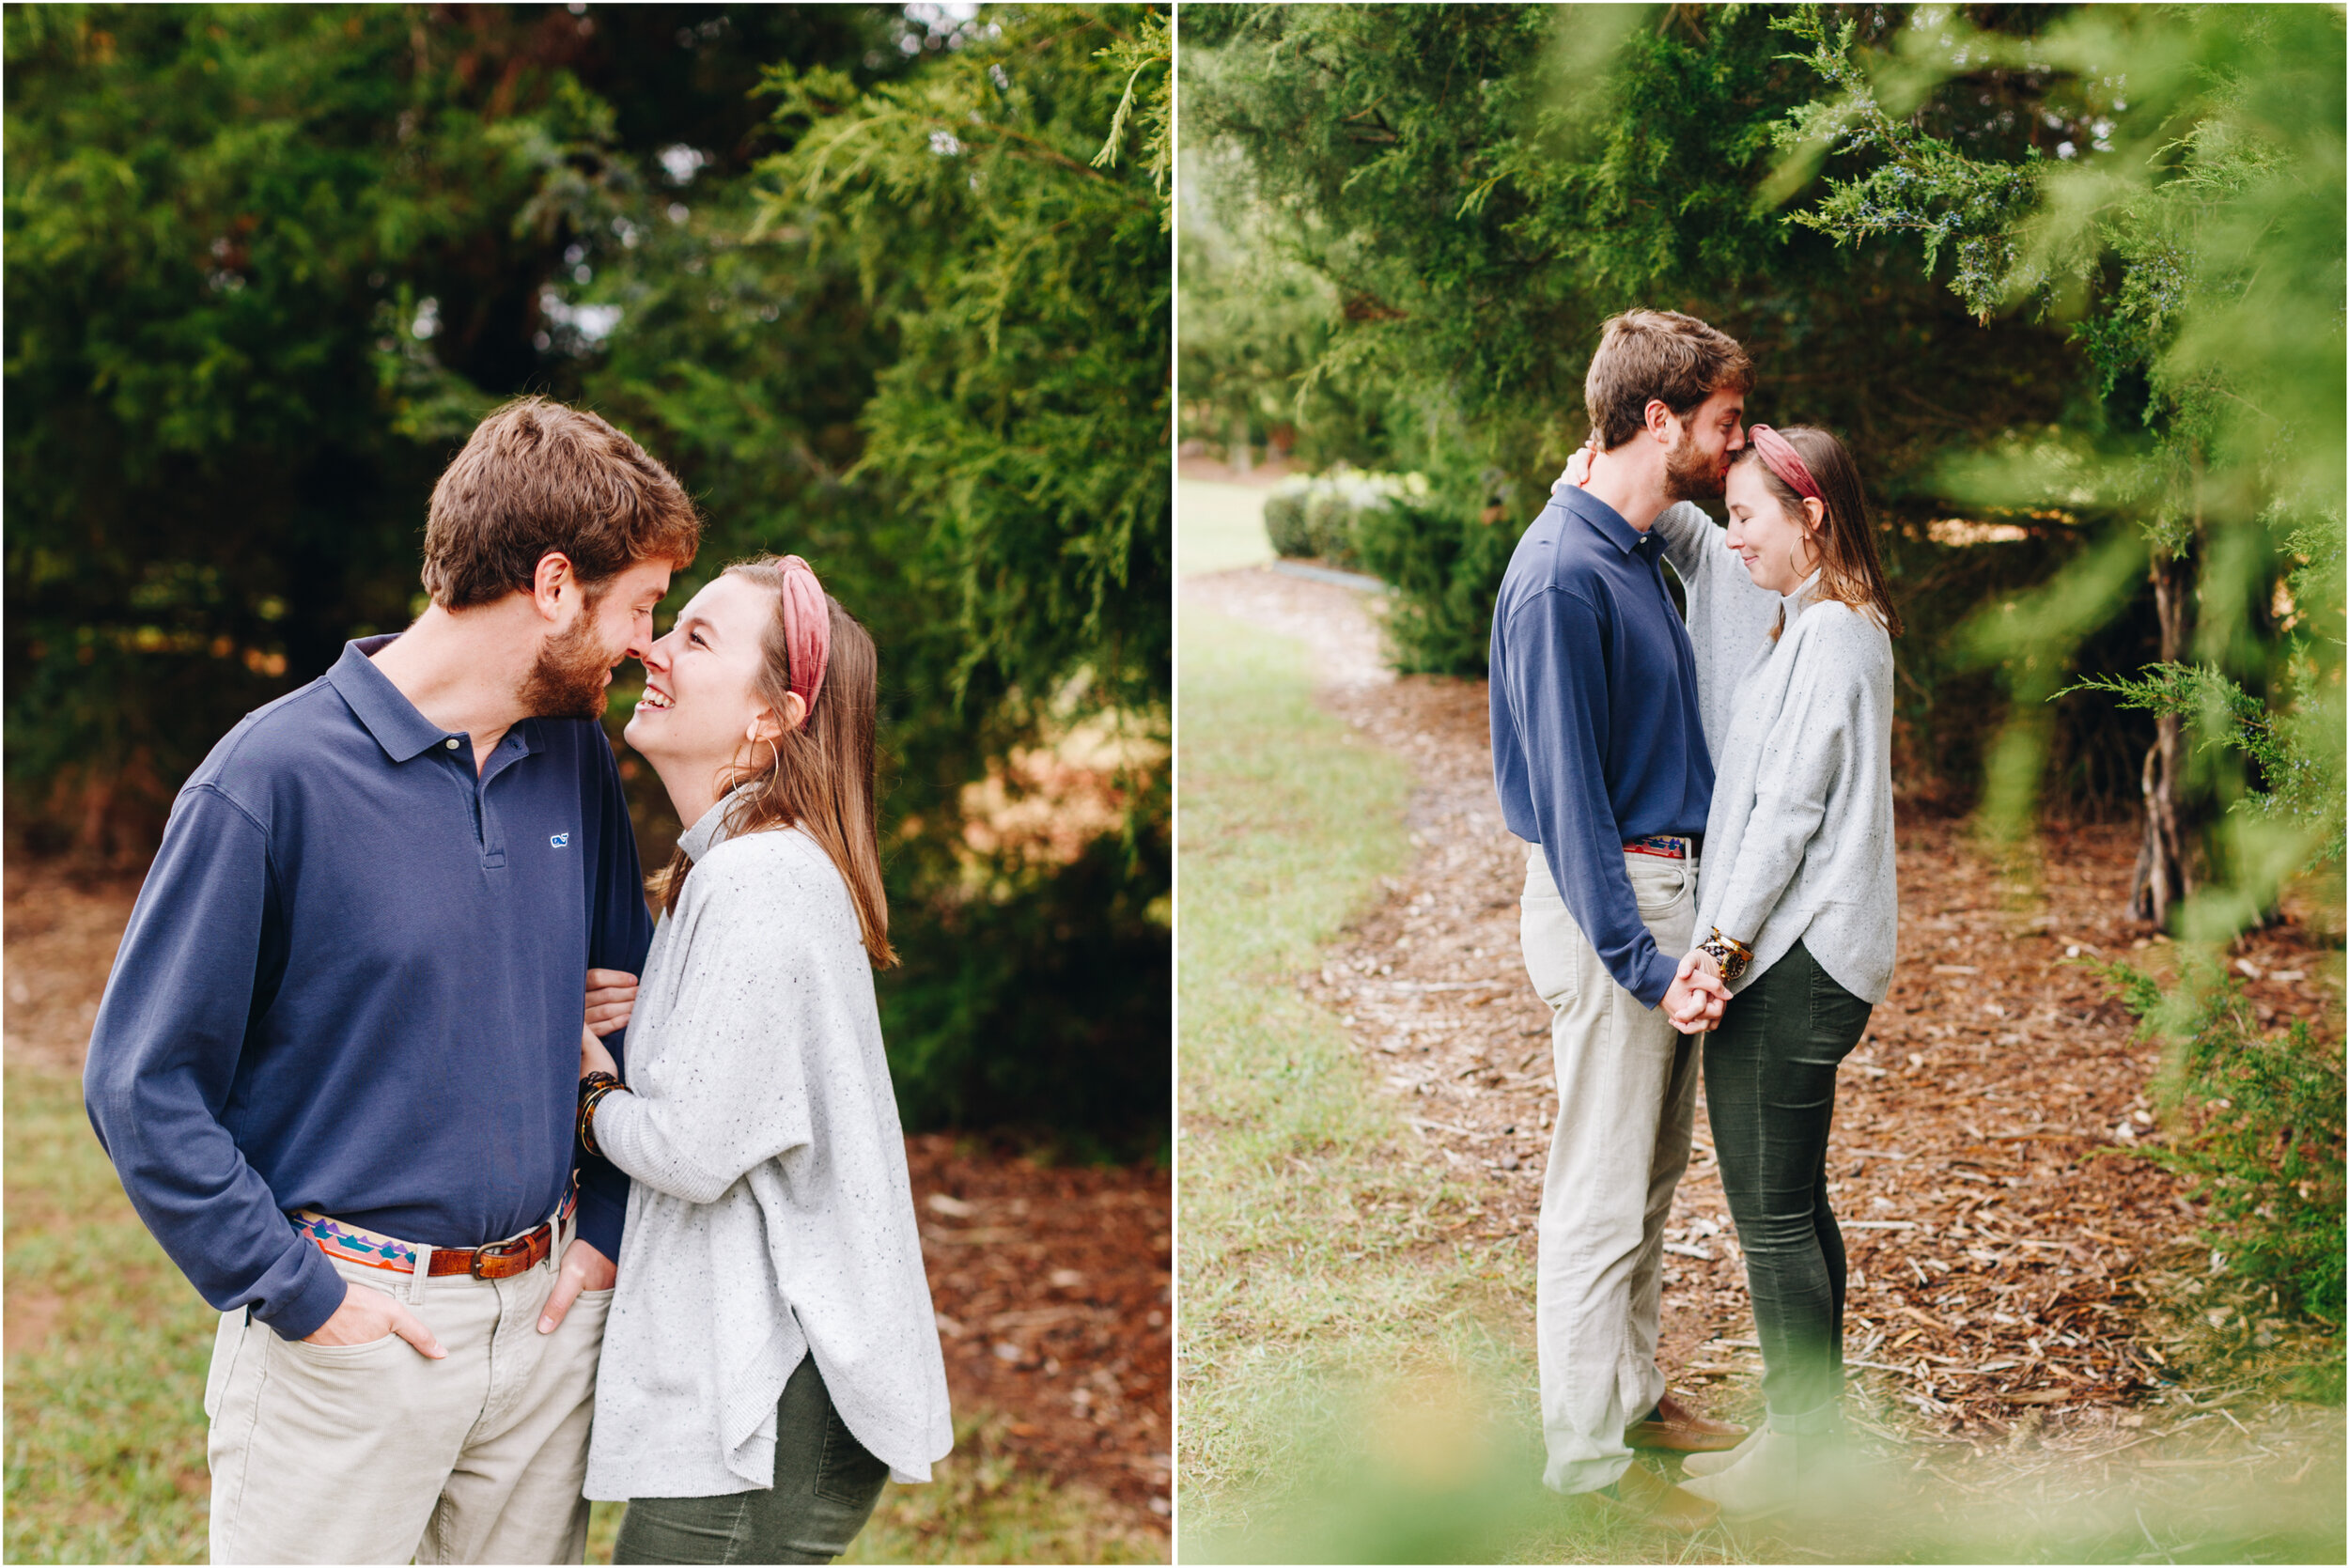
x: 494, y: 1229
x: 1710, y: 888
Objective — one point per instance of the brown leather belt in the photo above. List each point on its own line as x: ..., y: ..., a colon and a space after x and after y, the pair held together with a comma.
x: 500, y: 1260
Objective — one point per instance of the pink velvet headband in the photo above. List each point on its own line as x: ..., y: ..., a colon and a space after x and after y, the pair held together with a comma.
x: 1785, y: 461
x: 806, y: 627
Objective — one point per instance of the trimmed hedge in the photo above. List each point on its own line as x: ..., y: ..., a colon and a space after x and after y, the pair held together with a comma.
x: 1322, y: 516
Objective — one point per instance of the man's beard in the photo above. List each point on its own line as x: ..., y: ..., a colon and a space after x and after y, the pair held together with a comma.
x: 567, y: 681
x: 1691, y: 473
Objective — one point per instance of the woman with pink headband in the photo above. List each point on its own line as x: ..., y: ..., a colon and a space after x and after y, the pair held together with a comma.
x: 1799, y: 903
x: 771, y: 1358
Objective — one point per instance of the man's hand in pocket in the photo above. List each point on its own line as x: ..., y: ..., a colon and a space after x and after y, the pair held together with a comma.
x: 583, y: 1269
x: 368, y: 1314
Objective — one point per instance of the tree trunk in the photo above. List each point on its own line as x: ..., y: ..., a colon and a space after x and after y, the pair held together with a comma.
x: 2164, y: 872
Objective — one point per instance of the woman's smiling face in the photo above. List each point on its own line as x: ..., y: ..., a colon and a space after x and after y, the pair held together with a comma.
x: 1778, y: 551
x: 701, y: 681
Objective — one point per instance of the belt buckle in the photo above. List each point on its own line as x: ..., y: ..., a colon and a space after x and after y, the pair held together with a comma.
x: 516, y: 1252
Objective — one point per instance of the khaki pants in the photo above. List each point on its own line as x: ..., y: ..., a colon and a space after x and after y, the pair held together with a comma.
x: 375, y: 1453
x: 1626, y: 1098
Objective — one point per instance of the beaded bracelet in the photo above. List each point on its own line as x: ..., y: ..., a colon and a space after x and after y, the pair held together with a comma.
x: 591, y: 1089
x: 1731, y: 955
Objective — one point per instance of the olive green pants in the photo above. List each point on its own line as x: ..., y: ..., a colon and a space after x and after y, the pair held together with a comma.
x: 1769, y: 1090
x: 824, y: 1489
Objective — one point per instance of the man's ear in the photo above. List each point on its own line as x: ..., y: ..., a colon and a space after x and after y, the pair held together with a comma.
x: 547, y: 583
x: 1661, y: 422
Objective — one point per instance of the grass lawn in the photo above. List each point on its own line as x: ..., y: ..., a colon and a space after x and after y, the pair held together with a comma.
x: 1222, y: 526
x: 107, y: 1347
x: 1355, y: 1386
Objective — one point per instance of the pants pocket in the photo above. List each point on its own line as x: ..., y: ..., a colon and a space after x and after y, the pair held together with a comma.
x: 1658, y: 892
x: 849, y: 1473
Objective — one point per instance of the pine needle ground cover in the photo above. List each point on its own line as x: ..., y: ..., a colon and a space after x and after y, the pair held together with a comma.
x: 2022, y: 1389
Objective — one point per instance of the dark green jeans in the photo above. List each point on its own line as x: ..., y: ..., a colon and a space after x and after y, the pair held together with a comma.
x: 825, y: 1487
x: 1769, y: 1090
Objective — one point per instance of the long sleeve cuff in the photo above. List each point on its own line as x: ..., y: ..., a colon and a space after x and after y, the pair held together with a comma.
x: 1655, y: 977
x: 602, y: 1199
x: 315, y: 1300
x: 625, y: 1130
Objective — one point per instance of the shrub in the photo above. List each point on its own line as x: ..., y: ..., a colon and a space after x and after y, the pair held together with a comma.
x: 1442, y: 564
x: 1322, y: 516
x: 1284, y: 515
x: 1330, y: 524
x: 2256, y: 1125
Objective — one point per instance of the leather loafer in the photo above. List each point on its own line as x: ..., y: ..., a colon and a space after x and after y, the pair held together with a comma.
x: 1677, y: 1429
x: 1651, y: 1499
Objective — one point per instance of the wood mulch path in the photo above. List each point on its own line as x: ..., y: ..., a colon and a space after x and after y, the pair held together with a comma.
x: 1053, y: 1284
x: 2001, y: 1232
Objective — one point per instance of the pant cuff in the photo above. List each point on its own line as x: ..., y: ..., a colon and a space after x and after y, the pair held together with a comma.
x: 1822, y: 1421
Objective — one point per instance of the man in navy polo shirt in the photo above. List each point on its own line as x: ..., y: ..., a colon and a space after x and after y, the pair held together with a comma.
x: 337, y: 1058
x: 1599, y: 758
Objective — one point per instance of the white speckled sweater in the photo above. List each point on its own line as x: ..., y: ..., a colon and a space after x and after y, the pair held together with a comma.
x: 1798, y: 845
x: 770, y: 1213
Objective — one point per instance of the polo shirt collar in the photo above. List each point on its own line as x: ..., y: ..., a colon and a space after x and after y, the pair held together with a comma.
x: 1605, y: 520
x: 716, y: 825
x: 402, y: 731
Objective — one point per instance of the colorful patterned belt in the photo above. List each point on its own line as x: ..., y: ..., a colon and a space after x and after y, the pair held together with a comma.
x: 1669, y: 846
x: 499, y: 1260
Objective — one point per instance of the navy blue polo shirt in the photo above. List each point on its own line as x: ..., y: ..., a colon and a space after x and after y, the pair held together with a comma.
x: 353, y: 983
x: 1598, y: 738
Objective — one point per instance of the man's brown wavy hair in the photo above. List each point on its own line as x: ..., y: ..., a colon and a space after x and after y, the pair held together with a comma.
x: 1645, y: 354
x: 536, y: 477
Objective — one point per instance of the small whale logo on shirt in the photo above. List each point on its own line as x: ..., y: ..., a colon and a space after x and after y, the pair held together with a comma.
x: 558, y: 841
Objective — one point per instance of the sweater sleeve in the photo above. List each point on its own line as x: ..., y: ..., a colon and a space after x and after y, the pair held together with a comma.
x: 1808, y: 749
x: 759, y: 985
x: 1691, y: 542
x: 163, y: 1055
x: 1558, y: 697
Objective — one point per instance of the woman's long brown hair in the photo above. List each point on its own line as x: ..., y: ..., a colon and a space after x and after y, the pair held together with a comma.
x: 819, y: 776
x: 1849, y: 572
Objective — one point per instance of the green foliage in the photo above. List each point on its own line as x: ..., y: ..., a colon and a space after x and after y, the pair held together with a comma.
x: 1285, y: 517
x: 1443, y: 560
x: 1403, y: 226
x: 1325, y: 514
x: 2256, y: 1124
x: 2295, y: 784
x: 1033, y: 325
x: 2189, y: 232
x: 1020, y: 432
